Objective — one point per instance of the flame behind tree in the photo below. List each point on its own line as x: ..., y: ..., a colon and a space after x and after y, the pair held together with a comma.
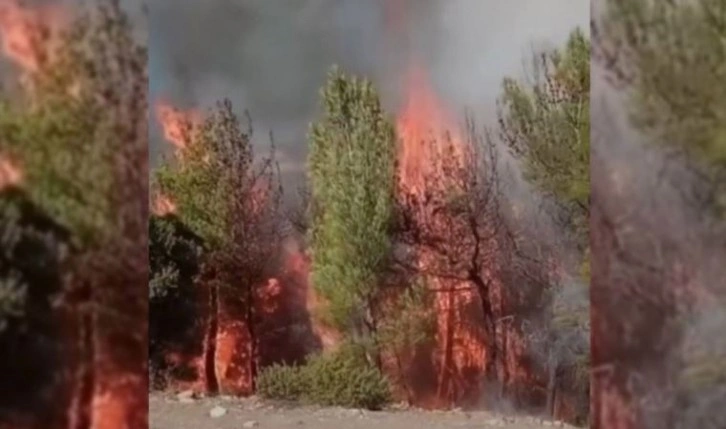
x: 232, y: 204
x: 10, y: 173
x: 26, y: 33
x: 85, y: 159
x: 178, y: 125
x: 426, y: 134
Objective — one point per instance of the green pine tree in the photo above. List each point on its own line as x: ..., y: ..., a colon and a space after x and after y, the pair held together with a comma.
x: 547, y: 124
x: 352, y: 175
x: 671, y: 56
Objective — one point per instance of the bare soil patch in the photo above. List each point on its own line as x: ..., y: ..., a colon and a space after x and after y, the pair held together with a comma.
x: 168, y: 411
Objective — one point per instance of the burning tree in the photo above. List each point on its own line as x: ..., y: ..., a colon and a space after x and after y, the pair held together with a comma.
x: 449, y: 229
x: 232, y: 205
x: 79, y: 131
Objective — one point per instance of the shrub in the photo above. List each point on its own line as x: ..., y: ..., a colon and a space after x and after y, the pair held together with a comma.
x: 343, y: 378
x: 281, y: 382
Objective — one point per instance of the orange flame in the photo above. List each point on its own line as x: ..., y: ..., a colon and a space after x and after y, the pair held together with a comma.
x: 26, y: 33
x: 425, y: 131
x: 430, y: 141
x: 10, y: 173
x: 163, y: 206
x: 177, y: 124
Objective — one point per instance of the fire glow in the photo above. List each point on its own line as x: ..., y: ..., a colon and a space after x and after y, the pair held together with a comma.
x: 177, y: 125
x: 26, y: 33
x: 425, y: 132
x: 10, y: 173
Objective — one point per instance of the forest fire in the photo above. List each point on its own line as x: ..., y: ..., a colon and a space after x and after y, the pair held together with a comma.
x: 428, y: 137
x: 431, y: 149
x: 458, y: 248
x: 237, y: 337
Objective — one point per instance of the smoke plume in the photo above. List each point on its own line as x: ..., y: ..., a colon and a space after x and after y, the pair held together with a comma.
x: 271, y: 57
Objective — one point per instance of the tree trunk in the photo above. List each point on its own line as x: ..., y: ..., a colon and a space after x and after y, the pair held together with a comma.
x: 253, y: 346
x: 371, y: 330
x: 490, y: 328
x: 447, y: 361
x: 210, y: 341
x: 505, y: 373
x: 81, y: 416
x: 552, y: 390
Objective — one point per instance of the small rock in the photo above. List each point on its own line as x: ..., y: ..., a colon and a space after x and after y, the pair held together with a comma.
x: 186, y: 396
x: 250, y: 424
x: 494, y: 422
x: 400, y: 406
x: 217, y: 412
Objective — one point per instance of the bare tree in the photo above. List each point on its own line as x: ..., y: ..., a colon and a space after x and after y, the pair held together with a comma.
x: 450, y: 230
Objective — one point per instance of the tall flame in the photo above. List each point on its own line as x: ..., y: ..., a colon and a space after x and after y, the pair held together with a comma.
x: 26, y: 33
x: 10, y: 173
x: 163, y: 205
x: 177, y: 124
x: 425, y: 130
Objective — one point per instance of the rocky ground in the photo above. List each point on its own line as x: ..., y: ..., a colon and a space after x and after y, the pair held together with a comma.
x: 184, y: 411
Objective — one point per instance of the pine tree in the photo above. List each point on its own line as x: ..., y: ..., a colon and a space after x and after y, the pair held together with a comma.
x: 546, y: 124
x: 671, y: 57
x: 352, y: 175
x: 232, y: 203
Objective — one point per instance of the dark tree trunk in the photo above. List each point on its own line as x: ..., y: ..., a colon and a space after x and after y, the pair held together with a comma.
x: 490, y: 328
x: 85, y: 373
x: 552, y: 385
x: 253, y: 347
x: 210, y: 341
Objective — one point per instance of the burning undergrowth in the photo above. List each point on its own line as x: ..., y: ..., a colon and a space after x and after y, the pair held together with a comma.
x: 422, y: 240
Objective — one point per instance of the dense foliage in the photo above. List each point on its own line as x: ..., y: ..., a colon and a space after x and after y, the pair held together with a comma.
x: 546, y: 123
x: 352, y: 177
x: 343, y: 378
x: 671, y: 57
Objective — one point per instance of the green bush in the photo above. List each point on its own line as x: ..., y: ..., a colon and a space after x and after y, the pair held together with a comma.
x: 342, y: 379
x: 281, y: 382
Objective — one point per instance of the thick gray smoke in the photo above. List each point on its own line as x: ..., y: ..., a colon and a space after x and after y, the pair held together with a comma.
x: 271, y: 56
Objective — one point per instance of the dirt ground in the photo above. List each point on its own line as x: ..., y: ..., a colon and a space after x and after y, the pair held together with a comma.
x: 178, y: 412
